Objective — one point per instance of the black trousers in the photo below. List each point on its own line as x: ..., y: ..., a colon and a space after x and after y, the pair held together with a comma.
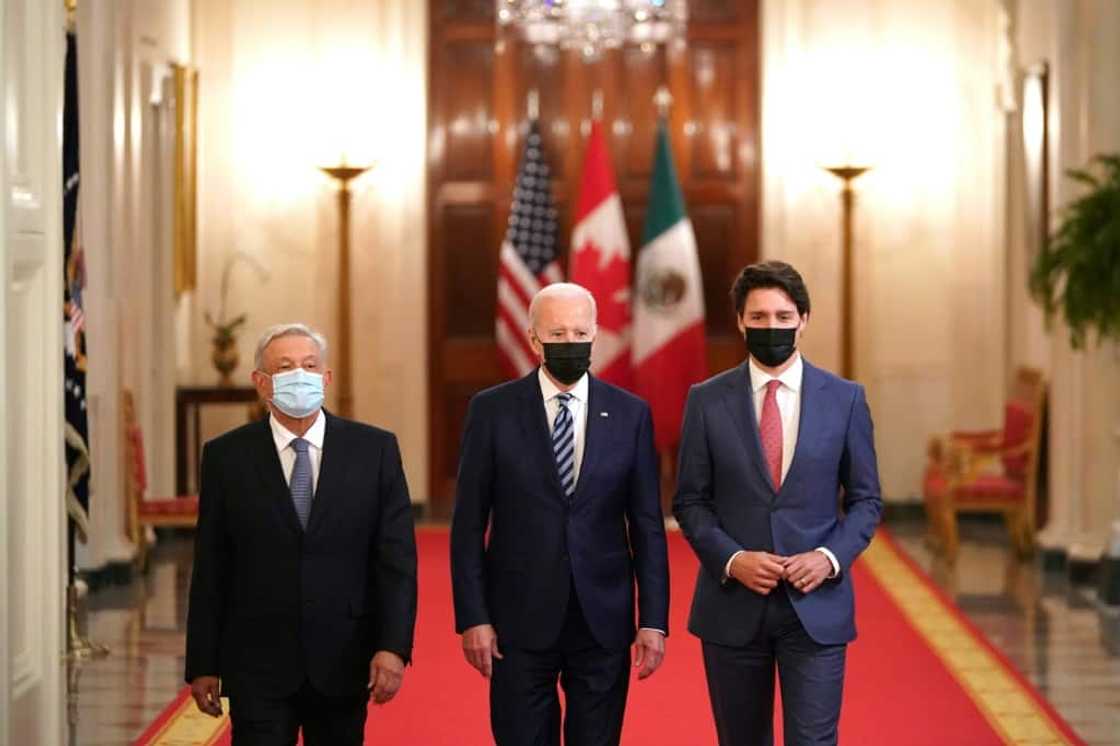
x: 741, y: 682
x: 525, y: 704
x: 326, y: 721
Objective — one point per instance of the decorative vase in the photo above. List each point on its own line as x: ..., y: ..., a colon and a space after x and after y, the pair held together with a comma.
x: 225, y: 357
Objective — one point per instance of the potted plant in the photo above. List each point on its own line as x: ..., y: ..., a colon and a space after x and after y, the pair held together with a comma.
x: 224, y: 355
x: 1077, y: 272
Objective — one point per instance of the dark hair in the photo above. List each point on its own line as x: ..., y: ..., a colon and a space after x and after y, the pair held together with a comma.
x: 772, y: 274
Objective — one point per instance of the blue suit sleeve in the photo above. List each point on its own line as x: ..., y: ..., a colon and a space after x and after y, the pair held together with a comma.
x: 647, y: 532
x: 693, y: 504
x: 473, y: 496
x: 859, y: 476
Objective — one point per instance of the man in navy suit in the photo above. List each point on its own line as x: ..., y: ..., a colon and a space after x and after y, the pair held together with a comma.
x: 560, y: 469
x: 766, y: 448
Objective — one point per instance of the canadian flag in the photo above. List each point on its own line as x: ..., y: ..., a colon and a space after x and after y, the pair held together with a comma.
x: 600, y: 261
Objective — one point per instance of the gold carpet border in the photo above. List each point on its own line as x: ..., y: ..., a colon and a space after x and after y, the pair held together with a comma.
x: 190, y: 727
x: 1001, y: 697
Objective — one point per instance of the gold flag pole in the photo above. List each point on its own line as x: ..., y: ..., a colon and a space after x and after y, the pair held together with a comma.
x: 78, y: 646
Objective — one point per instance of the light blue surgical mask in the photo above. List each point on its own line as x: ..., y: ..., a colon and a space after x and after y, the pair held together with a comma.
x: 297, y: 393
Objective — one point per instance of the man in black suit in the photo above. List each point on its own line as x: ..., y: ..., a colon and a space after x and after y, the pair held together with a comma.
x: 303, y: 595
x: 560, y: 468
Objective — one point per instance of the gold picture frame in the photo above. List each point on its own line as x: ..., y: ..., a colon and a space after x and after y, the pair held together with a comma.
x: 186, y: 177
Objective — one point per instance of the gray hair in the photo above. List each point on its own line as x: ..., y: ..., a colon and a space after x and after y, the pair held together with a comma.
x: 289, y: 330
x: 562, y: 290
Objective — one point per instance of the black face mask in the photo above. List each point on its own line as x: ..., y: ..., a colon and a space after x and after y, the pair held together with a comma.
x: 567, y: 361
x: 771, y: 347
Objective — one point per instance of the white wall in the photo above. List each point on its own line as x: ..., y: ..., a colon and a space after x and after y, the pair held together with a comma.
x: 911, y: 90
x: 32, y: 522
x: 278, y: 99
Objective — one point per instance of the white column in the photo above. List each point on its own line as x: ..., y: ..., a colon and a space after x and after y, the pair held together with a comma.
x: 105, y: 48
x: 1059, y: 24
x: 5, y: 684
x: 1085, y: 400
x: 32, y: 513
x: 1102, y: 385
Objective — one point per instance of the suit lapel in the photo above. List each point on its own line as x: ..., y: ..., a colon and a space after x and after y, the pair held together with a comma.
x: 534, y: 424
x: 594, y: 431
x: 271, y: 475
x: 808, y: 427
x: 332, y: 466
x: 740, y: 406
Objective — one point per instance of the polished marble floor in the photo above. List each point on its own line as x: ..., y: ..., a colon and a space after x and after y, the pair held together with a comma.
x: 1056, y: 634
x: 1060, y: 638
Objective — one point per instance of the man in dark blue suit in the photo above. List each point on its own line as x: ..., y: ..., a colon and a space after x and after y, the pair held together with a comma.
x: 766, y: 448
x: 560, y: 469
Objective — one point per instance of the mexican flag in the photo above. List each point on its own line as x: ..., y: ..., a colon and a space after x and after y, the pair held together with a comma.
x: 600, y: 261
x: 669, y: 352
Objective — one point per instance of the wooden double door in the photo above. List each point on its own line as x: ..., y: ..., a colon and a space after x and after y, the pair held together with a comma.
x: 479, y: 84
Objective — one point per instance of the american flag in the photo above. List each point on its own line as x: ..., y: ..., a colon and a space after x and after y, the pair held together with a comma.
x: 77, y: 423
x: 528, y: 258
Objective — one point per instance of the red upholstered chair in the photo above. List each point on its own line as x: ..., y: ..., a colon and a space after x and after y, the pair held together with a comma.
x: 179, y: 511
x: 990, y: 472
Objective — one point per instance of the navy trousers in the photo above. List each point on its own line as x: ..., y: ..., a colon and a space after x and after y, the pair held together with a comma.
x: 741, y: 682
x: 525, y: 704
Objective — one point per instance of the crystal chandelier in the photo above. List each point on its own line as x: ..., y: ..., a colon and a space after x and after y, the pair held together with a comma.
x: 594, y: 25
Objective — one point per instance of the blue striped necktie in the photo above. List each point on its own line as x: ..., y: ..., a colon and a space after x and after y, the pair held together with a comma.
x: 564, y: 445
x: 300, y: 483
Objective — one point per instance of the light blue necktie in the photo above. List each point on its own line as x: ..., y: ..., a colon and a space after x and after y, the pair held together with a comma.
x: 564, y: 445
x: 300, y: 483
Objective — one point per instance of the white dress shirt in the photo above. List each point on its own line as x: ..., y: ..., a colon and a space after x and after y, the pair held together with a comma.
x: 789, y: 409
x: 577, y: 405
x: 283, y: 438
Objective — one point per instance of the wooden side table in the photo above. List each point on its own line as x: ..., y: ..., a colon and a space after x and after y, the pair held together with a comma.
x: 189, y: 401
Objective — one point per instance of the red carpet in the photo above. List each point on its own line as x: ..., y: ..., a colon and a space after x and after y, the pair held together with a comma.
x: 919, y: 673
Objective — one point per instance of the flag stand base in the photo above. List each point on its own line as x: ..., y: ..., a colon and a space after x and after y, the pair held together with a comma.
x: 78, y: 647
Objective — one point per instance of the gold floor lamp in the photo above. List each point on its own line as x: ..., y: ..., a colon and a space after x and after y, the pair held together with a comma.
x: 344, y: 174
x: 847, y: 174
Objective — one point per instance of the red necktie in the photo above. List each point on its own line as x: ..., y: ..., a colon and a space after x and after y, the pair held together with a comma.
x: 770, y: 428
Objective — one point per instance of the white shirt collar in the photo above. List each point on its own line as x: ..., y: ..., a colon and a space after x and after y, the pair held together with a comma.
x: 283, y: 437
x: 790, y: 378
x: 549, y: 390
